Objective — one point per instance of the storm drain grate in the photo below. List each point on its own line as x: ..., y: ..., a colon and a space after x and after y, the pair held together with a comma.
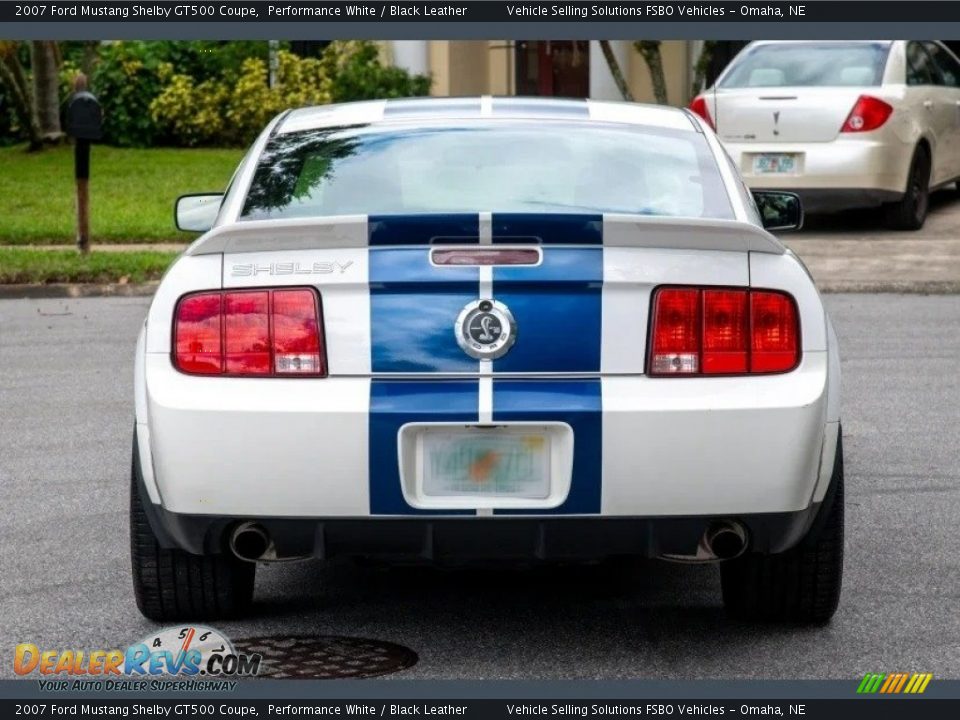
x: 327, y: 657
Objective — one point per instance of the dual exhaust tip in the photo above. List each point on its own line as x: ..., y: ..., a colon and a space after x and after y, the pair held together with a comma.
x: 722, y: 540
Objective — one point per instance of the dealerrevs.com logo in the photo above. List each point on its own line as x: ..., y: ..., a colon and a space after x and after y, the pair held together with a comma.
x: 176, y: 652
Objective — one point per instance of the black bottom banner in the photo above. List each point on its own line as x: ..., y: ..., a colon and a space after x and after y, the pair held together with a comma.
x: 872, y: 708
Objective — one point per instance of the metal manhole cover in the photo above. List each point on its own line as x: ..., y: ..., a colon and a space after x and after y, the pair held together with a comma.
x: 326, y: 656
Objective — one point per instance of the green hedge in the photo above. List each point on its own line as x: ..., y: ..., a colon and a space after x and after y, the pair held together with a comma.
x: 216, y: 93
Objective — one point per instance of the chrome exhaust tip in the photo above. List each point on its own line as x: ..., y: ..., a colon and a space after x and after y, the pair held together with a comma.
x: 251, y: 542
x: 725, y: 540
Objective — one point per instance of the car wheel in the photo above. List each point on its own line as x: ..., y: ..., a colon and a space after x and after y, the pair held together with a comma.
x: 801, y: 585
x: 910, y: 212
x: 172, y: 584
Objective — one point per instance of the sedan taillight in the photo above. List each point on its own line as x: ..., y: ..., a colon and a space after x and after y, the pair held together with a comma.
x: 699, y: 106
x: 868, y: 113
x: 721, y: 331
x: 250, y: 333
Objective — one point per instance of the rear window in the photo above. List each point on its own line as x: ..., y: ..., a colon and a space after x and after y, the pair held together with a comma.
x: 496, y: 166
x: 808, y: 65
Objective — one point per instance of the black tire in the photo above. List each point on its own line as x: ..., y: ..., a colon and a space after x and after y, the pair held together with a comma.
x: 801, y: 585
x: 910, y: 212
x: 174, y: 585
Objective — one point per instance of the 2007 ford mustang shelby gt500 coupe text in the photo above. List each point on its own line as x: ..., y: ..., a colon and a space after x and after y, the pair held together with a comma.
x: 457, y: 329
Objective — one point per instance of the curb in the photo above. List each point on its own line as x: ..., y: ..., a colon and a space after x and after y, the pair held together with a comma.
x: 923, y: 287
x: 77, y: 290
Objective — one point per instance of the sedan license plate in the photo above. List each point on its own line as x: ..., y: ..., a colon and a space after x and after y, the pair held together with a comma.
x: 487, y: 463
x: 774, y: 164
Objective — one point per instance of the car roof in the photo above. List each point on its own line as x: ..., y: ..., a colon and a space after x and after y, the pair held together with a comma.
x: 411, y: 110
x: 814, y: 41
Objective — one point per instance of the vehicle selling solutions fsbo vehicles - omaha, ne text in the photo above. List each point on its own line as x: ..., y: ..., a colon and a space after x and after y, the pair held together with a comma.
x: 453, y: 329
x: 843, y: 124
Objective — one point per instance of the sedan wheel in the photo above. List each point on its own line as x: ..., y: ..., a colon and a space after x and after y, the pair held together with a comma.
x: 910, y: 212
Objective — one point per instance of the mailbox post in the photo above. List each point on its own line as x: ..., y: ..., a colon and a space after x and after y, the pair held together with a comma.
x: 84, y: 124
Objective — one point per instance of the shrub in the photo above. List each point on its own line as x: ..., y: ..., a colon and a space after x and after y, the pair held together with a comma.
x: 227, y: 112
x: 125, y: 81
x: 217, y: 93
x: 129, y: 76
x: 356, y: 73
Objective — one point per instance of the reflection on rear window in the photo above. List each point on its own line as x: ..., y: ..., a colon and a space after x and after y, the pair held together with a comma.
x: 496, y: 166
x: 808, y: 65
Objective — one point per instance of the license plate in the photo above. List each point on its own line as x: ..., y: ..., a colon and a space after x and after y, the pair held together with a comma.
x: 487, y: 463
x: 774, y: 164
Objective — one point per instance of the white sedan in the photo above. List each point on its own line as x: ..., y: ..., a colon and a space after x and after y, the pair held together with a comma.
x: 843, y: 124
x: 480, y: 328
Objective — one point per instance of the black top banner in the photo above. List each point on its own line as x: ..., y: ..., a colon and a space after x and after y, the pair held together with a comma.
x: 376, y: 11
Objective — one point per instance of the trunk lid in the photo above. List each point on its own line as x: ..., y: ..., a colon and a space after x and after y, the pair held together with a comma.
x: 581, y: 308
x: 781, y: 114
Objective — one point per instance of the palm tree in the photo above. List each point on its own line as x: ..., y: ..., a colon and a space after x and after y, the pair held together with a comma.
x: 14, y: 79
x: 615, y: 70
x: 45, y: 64
x: 650, y: 51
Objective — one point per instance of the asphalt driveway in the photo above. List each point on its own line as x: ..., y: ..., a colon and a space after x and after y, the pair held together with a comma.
x: 66, y: 414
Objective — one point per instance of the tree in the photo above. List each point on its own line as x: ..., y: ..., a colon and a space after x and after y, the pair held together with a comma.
x: 615, y: 70
x: 650, y: 51
x: 702, y: 66
x: 14, y: 78
x: 45, y: 64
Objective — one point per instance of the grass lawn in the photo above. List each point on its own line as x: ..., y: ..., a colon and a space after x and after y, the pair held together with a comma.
x: 24, y: 265
x: 132, y: 192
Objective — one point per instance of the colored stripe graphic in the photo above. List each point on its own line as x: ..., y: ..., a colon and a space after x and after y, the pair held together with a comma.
x: 894, y: 683
x: 426, y: 229
x: 558, y: 308
x: 548, y: 228
x: 413, y: 306
x: 393, y: 403
x: 575, y: 402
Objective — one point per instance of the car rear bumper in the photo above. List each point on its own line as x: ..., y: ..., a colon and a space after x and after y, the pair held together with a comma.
x: 847, y: 172
x: 322, y: 451
x: 476, y: 539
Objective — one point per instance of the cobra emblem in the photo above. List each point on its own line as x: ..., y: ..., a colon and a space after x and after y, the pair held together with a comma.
x: 485, y: 329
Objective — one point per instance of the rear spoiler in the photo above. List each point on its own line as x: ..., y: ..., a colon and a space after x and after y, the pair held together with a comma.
x: 346, y: 231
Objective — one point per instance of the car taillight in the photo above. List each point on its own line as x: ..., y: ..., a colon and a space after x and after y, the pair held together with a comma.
x: 250, y: 333
x: 868, y: 113
x: 699, y: 106
x: 720, y: 331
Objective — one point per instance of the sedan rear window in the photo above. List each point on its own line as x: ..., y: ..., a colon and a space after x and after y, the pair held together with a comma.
x: 496, y: 166
x: 808, y: 65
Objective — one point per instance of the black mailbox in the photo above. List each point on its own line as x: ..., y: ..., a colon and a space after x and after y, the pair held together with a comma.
x: 84, y: 116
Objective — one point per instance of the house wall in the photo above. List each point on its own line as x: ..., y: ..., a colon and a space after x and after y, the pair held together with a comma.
x: 480, y: 67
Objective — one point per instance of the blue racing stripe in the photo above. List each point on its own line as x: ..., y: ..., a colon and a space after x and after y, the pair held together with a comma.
x: 413, y: 307
x: 575, y: 402
x: 548, y: 229
x: 425, y: 229
x: 558, y: 310
x: 393, y: 403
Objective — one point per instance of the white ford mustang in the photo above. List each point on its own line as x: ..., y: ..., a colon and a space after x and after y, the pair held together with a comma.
x: 485, y: 328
